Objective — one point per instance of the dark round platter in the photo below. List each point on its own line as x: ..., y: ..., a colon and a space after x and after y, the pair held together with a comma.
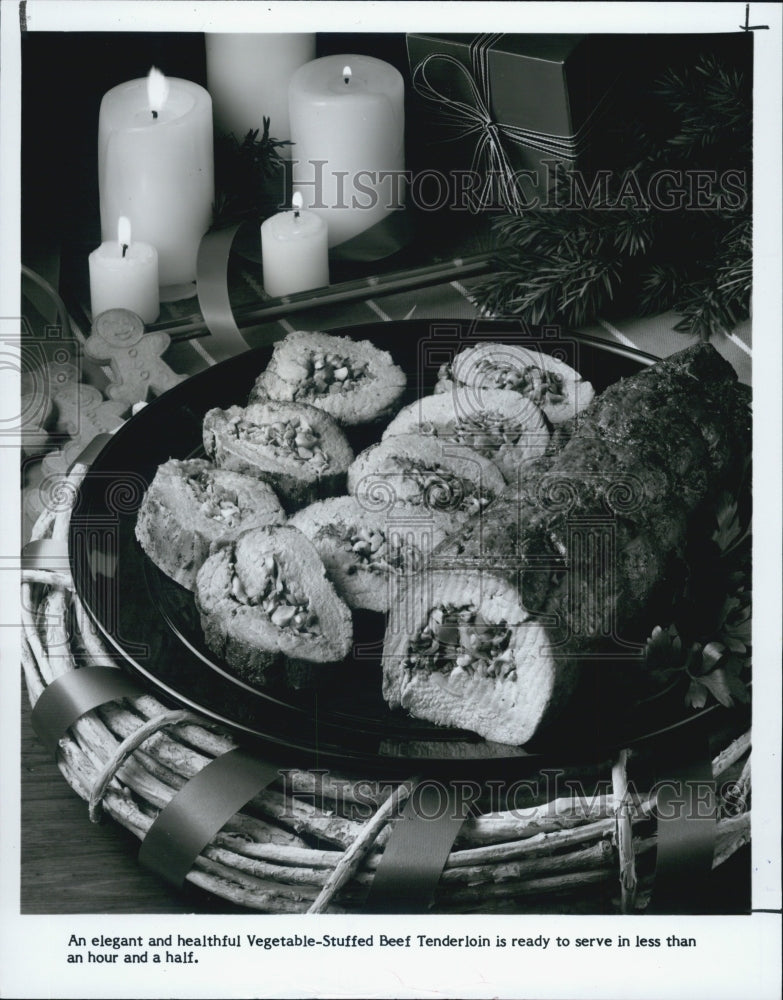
x: 152, y: 624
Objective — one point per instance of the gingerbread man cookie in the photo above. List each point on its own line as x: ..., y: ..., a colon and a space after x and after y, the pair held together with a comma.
x: 82, y: 412
x: 36, y: 411
x: 46, y: 379
x: 38, y: 384
x: 134, y: 357
x: 57, y: 463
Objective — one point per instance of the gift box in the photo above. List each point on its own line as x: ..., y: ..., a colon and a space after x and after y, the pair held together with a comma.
x: 508, y: 109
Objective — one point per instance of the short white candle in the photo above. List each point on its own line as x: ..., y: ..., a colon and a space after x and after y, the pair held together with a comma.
x: 248, y: 77
x: 155, y: 166
x: 294, y: 250
x: 348, y: 127
x: 124, y: 275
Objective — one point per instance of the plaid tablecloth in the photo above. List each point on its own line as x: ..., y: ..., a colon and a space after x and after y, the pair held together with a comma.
x: 656, y: 334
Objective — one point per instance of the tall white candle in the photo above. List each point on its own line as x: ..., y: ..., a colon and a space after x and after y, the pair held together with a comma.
x: 348, y: 126
x: 294, y: 251
x: 155, y: 166
x: 248, y: 77
x: 124, y: 275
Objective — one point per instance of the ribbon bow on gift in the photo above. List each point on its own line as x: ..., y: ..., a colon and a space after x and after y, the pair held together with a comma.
x: 473, y: 116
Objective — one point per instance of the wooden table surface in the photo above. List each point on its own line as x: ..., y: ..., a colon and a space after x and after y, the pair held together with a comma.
x: 69, y: 865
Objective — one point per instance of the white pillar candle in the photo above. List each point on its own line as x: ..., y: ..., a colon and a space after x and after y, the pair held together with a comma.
x: 155, y: 166
x: 248, y: 77
x: 294, y: 251
x: 348, y: 126
x: 124, y: 275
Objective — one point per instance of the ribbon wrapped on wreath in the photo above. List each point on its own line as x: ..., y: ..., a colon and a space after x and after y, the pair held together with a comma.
x: 503, y: 152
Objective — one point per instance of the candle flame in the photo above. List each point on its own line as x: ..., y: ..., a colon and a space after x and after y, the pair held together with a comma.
x: 157, y: 90
x: 124, y: 231
x: 347, y: 74
x: 297, y: 202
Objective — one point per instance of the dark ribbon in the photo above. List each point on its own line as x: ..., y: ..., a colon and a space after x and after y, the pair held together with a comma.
x: 420, y: 842
x: 46, y: 553
x: 473, y: 117
x: 198, y: 811
x: 70, y: 695
x: 88, y: 455
x: 213, y: 299
x: 686, y: 809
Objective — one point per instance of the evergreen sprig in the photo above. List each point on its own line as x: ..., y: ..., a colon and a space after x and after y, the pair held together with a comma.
x: 243, y: 172
x: 550, y: 267
x: 570, y: 264
x: 712, y: 102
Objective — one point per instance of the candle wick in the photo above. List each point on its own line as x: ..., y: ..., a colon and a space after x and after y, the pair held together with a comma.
x: 154, y: 114
x: 124, y: 249
x: 347, y: 80
x: 296, y: 214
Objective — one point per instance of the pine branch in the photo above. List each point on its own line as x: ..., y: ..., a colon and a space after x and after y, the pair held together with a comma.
x: 712, y: 105
x: 658, y: 289
x: 706, y: 310
x: 572, y: 264
x: 565, y: 286
x: 243, y: 170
